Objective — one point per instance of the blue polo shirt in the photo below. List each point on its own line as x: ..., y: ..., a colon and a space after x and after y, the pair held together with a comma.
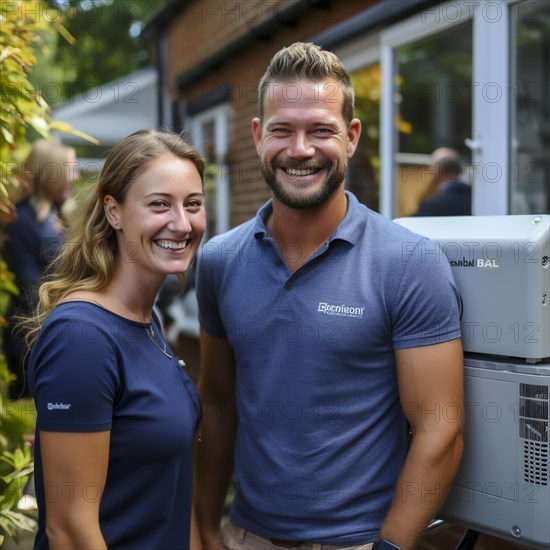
x: 92, y: 370
x: 322, y: 437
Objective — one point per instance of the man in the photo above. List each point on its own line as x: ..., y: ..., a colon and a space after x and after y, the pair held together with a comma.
x: 325, y: 328
x: 452, y: 197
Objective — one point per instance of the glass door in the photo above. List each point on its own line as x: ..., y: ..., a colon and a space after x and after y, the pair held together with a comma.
x: 433, y: 109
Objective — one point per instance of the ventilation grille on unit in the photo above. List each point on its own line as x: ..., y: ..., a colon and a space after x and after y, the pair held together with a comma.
x: 533, y: 428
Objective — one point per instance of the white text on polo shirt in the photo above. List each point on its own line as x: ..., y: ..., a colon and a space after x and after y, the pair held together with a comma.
x: 340, y: 310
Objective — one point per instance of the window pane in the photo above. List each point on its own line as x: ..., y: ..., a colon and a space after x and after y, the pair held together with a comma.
x: 530, y: 176
x: 434, y: 100
x: 433, y: 109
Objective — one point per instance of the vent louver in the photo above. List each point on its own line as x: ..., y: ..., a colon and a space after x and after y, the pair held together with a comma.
x: 533, y: 428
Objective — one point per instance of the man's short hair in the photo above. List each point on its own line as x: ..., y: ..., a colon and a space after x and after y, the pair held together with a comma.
x: 306, y: 61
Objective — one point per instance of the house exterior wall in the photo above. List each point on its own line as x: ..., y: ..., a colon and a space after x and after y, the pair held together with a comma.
x: 220, y: 45
x: 205, y: 26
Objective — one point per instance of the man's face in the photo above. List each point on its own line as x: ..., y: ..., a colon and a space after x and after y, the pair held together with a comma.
x: 304, y: 142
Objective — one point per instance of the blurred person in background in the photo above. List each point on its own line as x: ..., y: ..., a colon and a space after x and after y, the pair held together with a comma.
x: 35, y: 236
x: 447, y: 195
x: 116, y: 412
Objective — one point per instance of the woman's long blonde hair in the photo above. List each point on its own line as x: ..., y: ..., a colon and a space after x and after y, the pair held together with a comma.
x: 88, y: 258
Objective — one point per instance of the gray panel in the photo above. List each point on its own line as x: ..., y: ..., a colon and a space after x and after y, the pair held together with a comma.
x: 490, y: 412
x: 500, y: 488
x: 501, y: 267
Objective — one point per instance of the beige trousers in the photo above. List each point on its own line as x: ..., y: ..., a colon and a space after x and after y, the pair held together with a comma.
x: 237, y: 538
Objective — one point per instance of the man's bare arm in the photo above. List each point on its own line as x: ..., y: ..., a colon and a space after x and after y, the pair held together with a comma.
x: 216, y: 439
x: 431, y: 390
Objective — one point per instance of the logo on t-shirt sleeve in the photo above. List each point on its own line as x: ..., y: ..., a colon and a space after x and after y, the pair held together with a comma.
x: 59, y: 406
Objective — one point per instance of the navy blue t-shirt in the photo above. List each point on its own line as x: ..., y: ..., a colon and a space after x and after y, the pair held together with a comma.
x: 92, y: 370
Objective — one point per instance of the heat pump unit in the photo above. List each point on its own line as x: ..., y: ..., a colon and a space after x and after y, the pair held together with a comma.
x: 501, y: 267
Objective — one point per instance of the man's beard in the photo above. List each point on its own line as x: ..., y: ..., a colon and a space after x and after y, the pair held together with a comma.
x: 336, y: 173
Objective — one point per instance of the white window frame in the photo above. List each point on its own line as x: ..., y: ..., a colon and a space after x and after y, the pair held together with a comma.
x: 360, y: 53
x: 491, y: 94
x: 221, y: 116
x: 491, y: 113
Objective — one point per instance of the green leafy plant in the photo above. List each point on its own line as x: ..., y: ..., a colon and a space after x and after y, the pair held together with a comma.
x: 23, y: 24
x: 14, y: 510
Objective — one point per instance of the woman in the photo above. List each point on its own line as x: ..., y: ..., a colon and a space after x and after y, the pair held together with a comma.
x: 35, y: 235
x: 117, y: 414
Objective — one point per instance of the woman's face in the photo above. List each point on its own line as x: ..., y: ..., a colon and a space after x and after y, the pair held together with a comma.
x: 162, y: 220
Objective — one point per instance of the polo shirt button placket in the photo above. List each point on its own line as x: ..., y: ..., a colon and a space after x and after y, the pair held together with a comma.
x: 288, y: 285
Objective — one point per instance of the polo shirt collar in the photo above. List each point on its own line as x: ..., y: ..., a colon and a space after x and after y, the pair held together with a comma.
x: 350, y: 228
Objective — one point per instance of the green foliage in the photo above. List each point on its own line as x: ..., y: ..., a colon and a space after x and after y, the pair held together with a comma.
x: 20, y: 107
x: 20, y: 466
x: 18, y: 419
x: 23, y: 25
x: 16, y: 467
x: 107, y: 47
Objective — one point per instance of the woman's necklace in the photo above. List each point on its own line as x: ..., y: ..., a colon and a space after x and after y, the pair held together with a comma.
x: 151, y: 333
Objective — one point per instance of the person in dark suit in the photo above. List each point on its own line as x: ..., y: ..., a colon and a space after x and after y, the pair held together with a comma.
x: 452, y: 197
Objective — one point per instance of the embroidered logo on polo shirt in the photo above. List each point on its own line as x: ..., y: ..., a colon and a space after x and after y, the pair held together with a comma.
x: 341, y: 310
x: 58, y: 406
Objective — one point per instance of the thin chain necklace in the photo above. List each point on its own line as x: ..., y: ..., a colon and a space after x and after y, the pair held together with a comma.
x: 151, y: 333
